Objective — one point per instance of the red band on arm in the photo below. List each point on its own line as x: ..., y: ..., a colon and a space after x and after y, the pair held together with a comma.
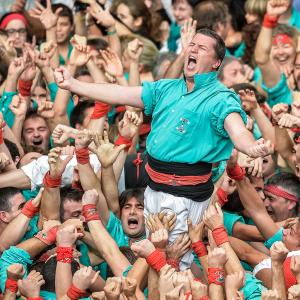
x: 222, y: 196
x: 156, y: 260
x: 199, y: 248
x: 64, y: 254
x: 204, y: 298
x: 216, y: 276
x: 174, y: 263
x: 50, y: 182
x: 38, y: 298
x: 11, y: 285
x: 187, y: 295
x: 75, y: 293
x: 90, y: 213
x: 236, y: 173
x: 220, y: 235
x: 25, y: 87
x: 29, y: 210
x: 123, y: 141
x: 82, y: 156
x: 100, y: 110
x: 270, y: 21
x: 49, y: 237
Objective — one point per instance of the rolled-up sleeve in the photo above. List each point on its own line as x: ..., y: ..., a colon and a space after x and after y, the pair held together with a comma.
x: 149, y: 96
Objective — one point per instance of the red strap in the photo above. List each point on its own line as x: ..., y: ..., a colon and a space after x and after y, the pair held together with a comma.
x: 204, y: 298
x: 174, y: 263
x: 289, y: 276
x: 137, y: 162
x: 50, y: 182
x: 220, y: 235
x: 236, y: 173
x: 199, y: 248
x: 222, y: 196
x: 48, y: 237
x: 295, y: 129
x: 100, y: 110
x: 75, y: 293
x: 29, y: 210
x: 64, y: 254
x: 37, y: 298
x: 25, y: 87
x: 270, y: 21
x: 216, y: 276
x: 156, y: 260
x: 187, y: 295
x: 123, y: 141
x: 281, y: 38
x: 90, y: 213
x: 82, y: 156
x: 11, y: 285
x: 277, y: 191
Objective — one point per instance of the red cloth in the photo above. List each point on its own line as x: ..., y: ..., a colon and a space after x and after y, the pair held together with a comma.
x: 174, y: 263
x: 270, y: 21
x: 282, y: 39
x: 137, y: 162
x: 222, y: 196
x: 82, y: 156
x: 156, y: 260
x: 123, y: 141
x: 49, y: 237
x: 25, y: 87
x: 236, y: 173
x: 100, y: 110
x: 11, y: 17
x: 277, y: 191
x: 29, y: 210
x: 188, y: 294
x: 75, y: 293
x: 199, y: 248
x: 289, y: 277
x: 64, y: 254
x: 220, y: 235
x: 216, y: 276
x: 50, y: 182
x: 90, y: 213
x: 11, y: 285
x: 204, y: 298
x: 38, y: 298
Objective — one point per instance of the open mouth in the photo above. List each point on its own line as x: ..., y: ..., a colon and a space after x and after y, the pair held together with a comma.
x: 37, y: 142
x: 132, y: 223
x: 192, y: 61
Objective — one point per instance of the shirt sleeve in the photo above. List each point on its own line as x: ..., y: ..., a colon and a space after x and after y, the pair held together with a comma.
x: 149, y: 95
x: 221, y: 109
x: 277, y: 237
x: 113, y: 226
x: 53, y: 88
x: 8, y: 115
x: 230, y: 220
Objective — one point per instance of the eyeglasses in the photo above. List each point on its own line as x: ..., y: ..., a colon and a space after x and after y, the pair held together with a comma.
x: 21, y: 31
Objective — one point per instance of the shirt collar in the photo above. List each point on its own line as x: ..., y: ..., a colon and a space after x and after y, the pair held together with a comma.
x: 204, y: 79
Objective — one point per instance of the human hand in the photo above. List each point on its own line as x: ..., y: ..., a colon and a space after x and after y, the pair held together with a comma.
x: 7, y: 49
x: 18, y: 106
x: 248, y: 100
x: 84, y: 278
x: 46, y: 109
x: 15, y: 271
x: 129, y: 125
x: 199, y: 289
x: 135, y: 50
x: 260, y: 148
x: 181, y: 246
x: 106, y: 152
x: 188, y: 30
x: 38, y: 198
x: 277, y: 7
x: 30, y: 286
x: 129, y: 287
x: 295, y: 266
x: 278, y: 252
x: 183, y: 279
x: 278, y: 111
x: 142, y: 248
x: 254, y: 166
x: 46, y: 15
x: 16, y: 67
x: 195, y: 231
x: 112, y: 63
x: 168, y: 220
x: 177, y: 294
x: 47, y: 50
x: 213, y: 217
x: 63, y: 78
x: 228, y: 185
x: 67, y: 236
x: 102, y: 16
x: 18, y: 6
x: 113, y: 288
x: 154, y: 223
x: 165, y: 281
x: 80, y: 55
x: 62, y: 133
x: 270, y: 295
x: 235, y: 281
x: 288, y: 121
x: 98, y: 296
x: 4, y: 161
x: 294, y: 292
x: 159, y: 238
x: 216, y: 257
x: 90, y: 197
x: 56, y: 165
x: 249, y: 72
x: 83, y: 138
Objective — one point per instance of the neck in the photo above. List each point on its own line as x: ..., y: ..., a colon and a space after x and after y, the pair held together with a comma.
x: 190, y: 83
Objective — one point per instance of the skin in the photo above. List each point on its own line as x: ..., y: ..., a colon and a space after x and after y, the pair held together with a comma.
x: 16, y: 204
x: 63, y: 30
x: 234, y: 74
x: 29, y: 157
x: 36, y: 133
x: 297, y: 70
x: 72, y: 209
x: 124, y: 14
x: 39, y: 94
x: 182, y: 11
x: 251, y: 18
x: 87, y: 115
x: 283, y: 54
x: 291, y: 237
x: 18, y: 39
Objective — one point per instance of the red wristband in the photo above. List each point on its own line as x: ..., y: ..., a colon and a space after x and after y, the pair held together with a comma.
x: 187, y: 295
x: 270, y: 21
x: 156, y: 260
x: 25, y: 87
x: 38, y: 298
x: 123, y: 141
x: 100, y: 110
x: 90, y: 213
x: 29, y: 210
x: 82, y: 156
x: 11, y: 285
x: 222, y: 196
x: 64, y: 254
x: 50, y: 182
x: 199, y: 248
x: 204, y: 298
x: 174, y: 263
x: 220, y: 235
x: 216, y: 276
x: 236, y: 173
x: 75, y: 293
x: 48, y: 237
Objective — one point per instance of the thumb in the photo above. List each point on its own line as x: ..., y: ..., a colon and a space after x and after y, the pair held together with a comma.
x: 58, y: 11
x: 37, y: 200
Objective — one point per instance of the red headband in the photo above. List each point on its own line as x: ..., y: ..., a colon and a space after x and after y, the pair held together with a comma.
x: 275, y: 190
x: 282, y: 39
x: 11, y: 17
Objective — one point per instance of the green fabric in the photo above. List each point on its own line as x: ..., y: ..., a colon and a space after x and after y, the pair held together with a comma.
x: 280, y: 93
x: 230, y: 219
x: 8, y: 115
x: 295, y: 19
x: 51, y: 296
x: 246, y: 266
x: 256, y: 132
x: 61, y: 59
x: 29, y: 194
x: 192, y: 122
x: 173, y: 37
x: 84, y: 258
x: 248, y: 221
x: 277, y: 237
x: 125, y: 273
x: 218, y: 171
x: 253, y: 288
x: 240, y: 50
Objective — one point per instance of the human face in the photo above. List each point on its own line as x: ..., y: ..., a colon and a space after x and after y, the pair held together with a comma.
x: 72, y: 209
x: 36, y: 133
x: 251, y: 18
x: 132, y: 218
x: 39, y: 94
x: 16, y: 204
x: 278, y: 208
x: 297, y: 71
x: 283, y: 54
x: 124, y: 14
x: 182, y: 11
x: 268, y: 166
x: 258, y: 184
x: 17, y: 32
x: 291, y: 237
x: 234, y: 73
x: 63, y: 30
x: 200, y: 56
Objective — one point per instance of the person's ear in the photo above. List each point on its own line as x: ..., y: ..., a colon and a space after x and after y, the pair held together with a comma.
x: 4, y: 216
x: 137, y: 23
x: 291, y: 205
x: 217, y: 64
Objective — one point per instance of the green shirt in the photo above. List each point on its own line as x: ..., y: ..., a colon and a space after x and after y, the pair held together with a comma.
x: 188, y: 127
x: 61, y: 59
x: 8, y: 115
x: 230, y: 219
x: 295, y: 19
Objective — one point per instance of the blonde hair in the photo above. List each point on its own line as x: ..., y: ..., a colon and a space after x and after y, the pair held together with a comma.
x: 256, y: 7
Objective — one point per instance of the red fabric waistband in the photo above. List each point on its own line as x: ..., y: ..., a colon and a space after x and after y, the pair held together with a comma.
x: 173, y: 179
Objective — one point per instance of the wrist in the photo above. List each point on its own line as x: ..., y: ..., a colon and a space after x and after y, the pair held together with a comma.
x: 270, y: 21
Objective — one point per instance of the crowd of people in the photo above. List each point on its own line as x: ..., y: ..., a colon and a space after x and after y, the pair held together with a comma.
x: 150, y: 149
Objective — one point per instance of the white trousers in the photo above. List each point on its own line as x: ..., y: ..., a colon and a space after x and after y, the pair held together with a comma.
x: 155, y: 202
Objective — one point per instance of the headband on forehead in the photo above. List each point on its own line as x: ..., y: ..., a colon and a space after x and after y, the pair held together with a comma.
x: 11, y: 17
x: 282, y: 39
x: 277, y: 191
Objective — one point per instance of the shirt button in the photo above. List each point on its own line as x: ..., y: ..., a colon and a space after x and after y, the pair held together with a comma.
x: 3, y: 109
x: 172, y: 110
x: 155, y: 141
x: 182, y: 98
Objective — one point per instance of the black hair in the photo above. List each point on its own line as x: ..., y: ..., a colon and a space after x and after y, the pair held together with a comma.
x: 78, y: 113
x: 5, y: 195
x: 97, y: 43
x: 83, y: 71
x: 12, y: 148
x: 137, y: 193
x: 234, y: 203
x: 65, y: 12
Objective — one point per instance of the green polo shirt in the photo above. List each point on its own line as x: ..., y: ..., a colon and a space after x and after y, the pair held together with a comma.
x: 188, y: 127
x: 295, y: 19
x: 8, y: 115
x: 61, y: 59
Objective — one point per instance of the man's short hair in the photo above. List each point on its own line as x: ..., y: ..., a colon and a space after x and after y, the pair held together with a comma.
x: 5, y: 195
x: 69, y: 193
x: 13, y: 149
x: 65, y: 12
x: 78, y: 113
x: 137, y: 193
x: 219, y: 47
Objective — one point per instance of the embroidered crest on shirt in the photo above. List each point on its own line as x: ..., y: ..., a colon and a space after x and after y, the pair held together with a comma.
x: 182, y: 128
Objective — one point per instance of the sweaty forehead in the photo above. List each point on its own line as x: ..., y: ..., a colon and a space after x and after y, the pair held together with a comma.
x: 201, y: 39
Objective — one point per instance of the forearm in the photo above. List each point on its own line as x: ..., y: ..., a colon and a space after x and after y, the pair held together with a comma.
x: 15, y: 178
x: 215, y: 292
x: 51, y: 36
x: 243, y: 141
x: 79, y: 21
x: 278, y: 282
x: 63, y: 279
x: 114, y: 42
x: 33, y: 246
x: 50, y: 204
x: 97, y: 74
x: 134, y: 74
x: 153, y: 285
x: 11, y: 83
x: 18, y: 127
x: 48, y: 74
x: 121, y: 80
x: 175, y: 69
x: 119, y: 164
x: 97, y: 125
x: 233, y: 263
x: 231, y: 294
x: 9, y: 135
x: 263, y: 46
x: 246, y: 232
x: 8, y: 295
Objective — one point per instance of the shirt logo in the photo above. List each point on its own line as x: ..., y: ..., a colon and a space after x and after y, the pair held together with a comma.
x: 182, y: 128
